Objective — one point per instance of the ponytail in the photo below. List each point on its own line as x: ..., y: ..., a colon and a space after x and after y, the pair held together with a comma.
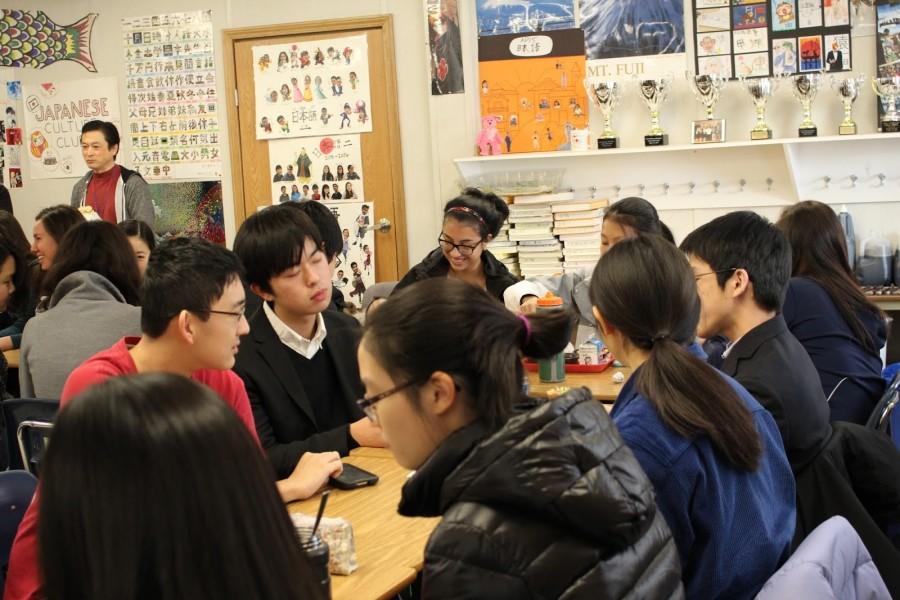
x: 644, y: 288
x: 443, y: 324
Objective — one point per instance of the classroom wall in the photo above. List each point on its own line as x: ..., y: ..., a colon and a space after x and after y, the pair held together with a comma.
x: 437, y: 130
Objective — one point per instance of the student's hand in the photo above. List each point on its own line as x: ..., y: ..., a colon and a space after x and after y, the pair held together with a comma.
x: 6, y: 343
x: 528, y: 305
x: 310, y: 475
x: 366, y: 433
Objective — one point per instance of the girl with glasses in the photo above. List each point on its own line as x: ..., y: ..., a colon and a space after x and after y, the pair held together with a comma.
x: 539, y: 500
x: 471, y: 221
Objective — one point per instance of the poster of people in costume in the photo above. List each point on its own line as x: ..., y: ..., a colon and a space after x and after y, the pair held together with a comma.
x: 32, y: 40
x: 355, y: 266
x: 327, y: 168
x: 55, y: 111
x: 173, y: 109
x: 309, y: 88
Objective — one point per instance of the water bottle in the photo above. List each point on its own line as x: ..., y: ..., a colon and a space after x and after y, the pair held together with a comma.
x: 849, y: 236
x: 317, y: 552
x: 552, y: 369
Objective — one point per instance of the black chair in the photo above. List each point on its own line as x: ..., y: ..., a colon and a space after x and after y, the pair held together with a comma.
x: 28, y: 422
x: 16, y: 490
x: 881, y: 416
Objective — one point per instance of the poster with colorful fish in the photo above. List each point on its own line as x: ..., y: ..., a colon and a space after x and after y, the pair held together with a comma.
x: 312, y: 87
x: 32, y: 39
x: 55, y: 111
x: 326, y: 168
x: 173, y: 108
x: 189, y: 208
x: 11, y: 134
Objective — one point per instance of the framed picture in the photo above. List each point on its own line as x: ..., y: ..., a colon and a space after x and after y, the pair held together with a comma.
x: 708, y: 131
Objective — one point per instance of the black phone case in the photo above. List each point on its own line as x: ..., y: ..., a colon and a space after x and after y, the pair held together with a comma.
x: 353, y: 478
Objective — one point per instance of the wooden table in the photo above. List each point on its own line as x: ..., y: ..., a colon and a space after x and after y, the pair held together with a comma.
x: 12, y: 358
x: 390, y: 549
x: 600, y: 384
x: 885, y: 303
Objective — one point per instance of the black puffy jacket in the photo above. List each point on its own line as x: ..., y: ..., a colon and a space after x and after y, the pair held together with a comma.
x: 554, y: 505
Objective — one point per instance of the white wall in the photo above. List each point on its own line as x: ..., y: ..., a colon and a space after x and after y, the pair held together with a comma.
x: 437, y: 130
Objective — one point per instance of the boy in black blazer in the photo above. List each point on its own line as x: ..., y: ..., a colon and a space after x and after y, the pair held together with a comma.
x: 742, y: 264
x: 299, y: 361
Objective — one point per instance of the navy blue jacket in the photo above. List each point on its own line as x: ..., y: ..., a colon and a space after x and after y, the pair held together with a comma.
x: 813, y: 318
x: 733, y: 528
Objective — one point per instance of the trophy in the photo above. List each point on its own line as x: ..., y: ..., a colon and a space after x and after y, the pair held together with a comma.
x: 888, y: 89
x: 654, y: 92
x: 848, y: 90
x: 707, y: 89
x: 605, y: 96
x: 760, y: 90
x: 805, y: 88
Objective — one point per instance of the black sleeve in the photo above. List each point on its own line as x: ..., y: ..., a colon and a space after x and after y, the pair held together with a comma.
x: 5, y: 200
x: 408, y: 279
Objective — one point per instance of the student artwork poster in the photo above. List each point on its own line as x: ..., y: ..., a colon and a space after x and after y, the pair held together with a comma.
x: 326, y: 168
x: 784, y: 56
x: 315, y: 87
x: 355, y: 267
x: 810, y: 53
x: 11, y: 138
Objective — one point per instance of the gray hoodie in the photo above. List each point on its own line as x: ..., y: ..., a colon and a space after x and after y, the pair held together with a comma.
x: 132, y: 196
x: 86, y: 314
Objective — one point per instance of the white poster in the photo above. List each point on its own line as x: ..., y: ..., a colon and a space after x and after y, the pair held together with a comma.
x: 324, y: 168
x: 54, y: 114
x: 173, y: 109
x: 11, y: 134
x: 355, y: 269
x: 318, y: 87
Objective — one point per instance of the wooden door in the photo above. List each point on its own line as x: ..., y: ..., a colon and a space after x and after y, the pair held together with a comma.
x: 381, y: 154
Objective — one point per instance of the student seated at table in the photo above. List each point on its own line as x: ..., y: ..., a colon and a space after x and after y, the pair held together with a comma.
x: 471, y: 221
x: 50, y: 226
x: 93, y: 289
x: 538, y: 499
x: 299, y: 362
x: 827, y: 312
x: 122, y: 514
x: 142, y: 240
x: 624, y: 219
x: 16, y: 297
x: 192, y: 318
x: 742, y: 264
x: 714, y: 455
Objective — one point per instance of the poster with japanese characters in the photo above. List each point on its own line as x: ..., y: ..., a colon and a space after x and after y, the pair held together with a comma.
x: 55, y: 111
x: 757, y: 38
x: 355, y: 267
x: 325, y: 168
x: 312, y: 88
x: 173, y: 110
x: 11, y: 134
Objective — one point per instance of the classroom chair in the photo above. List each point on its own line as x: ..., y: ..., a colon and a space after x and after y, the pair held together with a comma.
x: 16, y: 490
x: 885, y: 417
x: 28, y: 422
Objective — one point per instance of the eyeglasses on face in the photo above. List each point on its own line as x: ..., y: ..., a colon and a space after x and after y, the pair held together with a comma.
x: 237, y: 315
x: 699, y: 275
x: 367, y: 405
x: 464, y: 249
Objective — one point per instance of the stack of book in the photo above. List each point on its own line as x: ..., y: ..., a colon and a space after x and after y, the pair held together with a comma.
x: 506, y: 250
x: 540, y: 253
x: 578, y: 224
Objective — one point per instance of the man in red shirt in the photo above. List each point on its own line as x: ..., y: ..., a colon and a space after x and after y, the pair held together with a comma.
x: 192, y: 319
x: 109, y: 191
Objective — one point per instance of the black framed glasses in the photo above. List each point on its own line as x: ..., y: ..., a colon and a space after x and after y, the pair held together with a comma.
x: 699, y: 275
x: 237, y: 315
x: 367, y: 405
x: 464, y: 249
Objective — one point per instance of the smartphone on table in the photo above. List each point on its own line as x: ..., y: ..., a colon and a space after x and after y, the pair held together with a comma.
x: 353, y: 477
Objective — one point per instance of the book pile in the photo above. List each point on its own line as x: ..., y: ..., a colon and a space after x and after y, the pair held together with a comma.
x: 506, y: 250
x: 540, y: 253
x: 578, y: 224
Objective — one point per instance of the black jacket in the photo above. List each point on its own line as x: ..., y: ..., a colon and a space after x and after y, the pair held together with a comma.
x: 772, y: 365
x: 496, y: 275
x: 284, y: 417
x: 554, y: 505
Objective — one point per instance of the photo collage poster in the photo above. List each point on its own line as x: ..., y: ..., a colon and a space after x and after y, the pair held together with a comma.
x: 55, y: 111
x: 11, y: 137
x: 312, y: 88
x: 355, y: 268
x: 749, y: 38
x: 532, y: 90
x: 173, y: 110
x: 327, y: 168
x: 887, y: 46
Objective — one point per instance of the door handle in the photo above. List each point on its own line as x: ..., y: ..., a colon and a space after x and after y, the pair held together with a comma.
x: 383, y: 225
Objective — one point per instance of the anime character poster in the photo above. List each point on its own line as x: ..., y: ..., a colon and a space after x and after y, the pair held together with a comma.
x: 634, y: 37
x: 54, y: 114
x: 355, y: 267
x: 498, y: 17
x: 445, y: 47
x: 11, y: 139
x: 189, y: 208
x: 312, y: 87
x: 532, y: 91
x: 33, y: 40
x: 784, y: 56
x: 328, y: 168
